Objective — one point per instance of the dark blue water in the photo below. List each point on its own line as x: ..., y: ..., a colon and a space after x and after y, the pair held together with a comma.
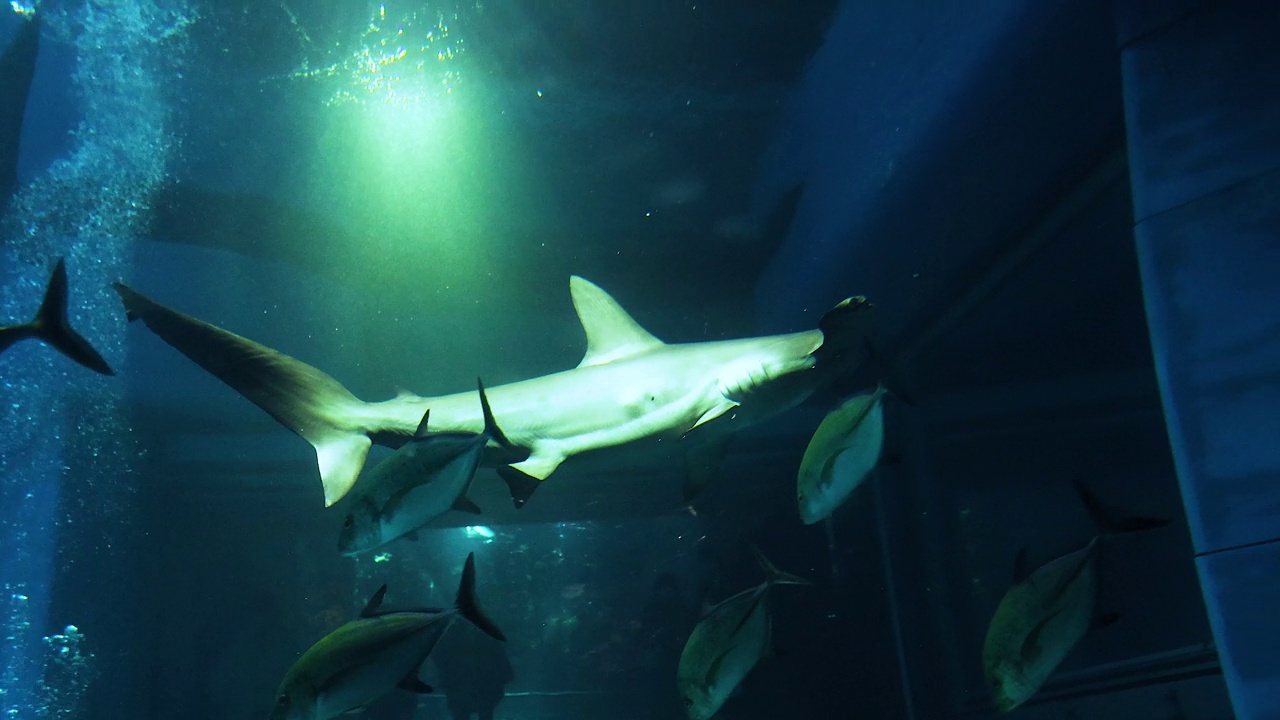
x: 398, y: 193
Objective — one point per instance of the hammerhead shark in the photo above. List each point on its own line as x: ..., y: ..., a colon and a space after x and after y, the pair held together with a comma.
x: 631, y: 389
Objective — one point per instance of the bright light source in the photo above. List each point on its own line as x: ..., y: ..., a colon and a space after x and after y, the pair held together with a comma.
x: 479, y: 531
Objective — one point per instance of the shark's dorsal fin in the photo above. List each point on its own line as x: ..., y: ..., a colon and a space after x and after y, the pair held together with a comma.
x: 612, y: 334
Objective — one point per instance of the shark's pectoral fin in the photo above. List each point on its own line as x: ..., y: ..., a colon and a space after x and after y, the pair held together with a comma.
x: 466, y: 505
x: 724, y: 406
x: 701, y: 464
x: 540, y: 464
x: 340, y: 458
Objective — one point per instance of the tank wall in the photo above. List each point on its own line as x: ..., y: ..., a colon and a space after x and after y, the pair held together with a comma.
x: 1201, y: 88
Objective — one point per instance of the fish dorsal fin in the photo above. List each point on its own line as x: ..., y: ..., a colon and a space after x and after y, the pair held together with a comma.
x: 612, y: 334
x: 375, y: 602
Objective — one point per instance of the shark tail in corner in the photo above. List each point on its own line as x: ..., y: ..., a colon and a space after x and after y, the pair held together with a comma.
x: 51, y: 326
x: 302, y: 398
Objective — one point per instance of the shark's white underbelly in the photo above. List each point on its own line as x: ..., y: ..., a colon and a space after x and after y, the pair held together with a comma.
x: 659, y: 396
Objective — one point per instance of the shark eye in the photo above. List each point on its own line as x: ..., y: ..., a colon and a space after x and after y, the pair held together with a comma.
x: 282, y: 701
x: 346, y: 524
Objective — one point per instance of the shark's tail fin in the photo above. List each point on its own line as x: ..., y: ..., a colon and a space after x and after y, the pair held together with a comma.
x: 467, y: 605
x: 300, y: 397
x: 773, y: 575
x: 51, y: 325
x: 1107, y: 522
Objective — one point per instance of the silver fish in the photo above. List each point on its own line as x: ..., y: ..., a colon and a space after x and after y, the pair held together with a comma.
x: 1044, y: 615
x: 422, y: 480
x: 372, y: 655
x: 1037, y: 624
x: 727, y: 644
x: 842, y: 452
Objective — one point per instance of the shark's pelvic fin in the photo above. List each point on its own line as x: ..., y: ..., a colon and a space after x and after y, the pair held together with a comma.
x: 720, y: 409
x: 612, y: 334
x: 300, y: 397
x: 540, y: 463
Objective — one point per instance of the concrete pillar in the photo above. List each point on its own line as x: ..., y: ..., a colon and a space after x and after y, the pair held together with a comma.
x: 1202, y: 104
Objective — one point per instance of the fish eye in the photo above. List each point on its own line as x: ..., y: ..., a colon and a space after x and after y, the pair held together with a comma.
x: 282, y: 700
x: 348, y: 522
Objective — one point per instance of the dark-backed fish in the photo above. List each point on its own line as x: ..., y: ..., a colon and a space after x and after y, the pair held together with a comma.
x: 842, y: 452
x: 727, y: 643
x: 373, y: 655
x: 427, y: 477
x: 1046, y: 613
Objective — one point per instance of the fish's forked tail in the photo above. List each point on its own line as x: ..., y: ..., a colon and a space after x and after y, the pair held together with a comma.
x: 467, y: 605
x: 300, y: 397
x: 774, y: 576
x: 1107, y: 522
x: 52, y: 326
